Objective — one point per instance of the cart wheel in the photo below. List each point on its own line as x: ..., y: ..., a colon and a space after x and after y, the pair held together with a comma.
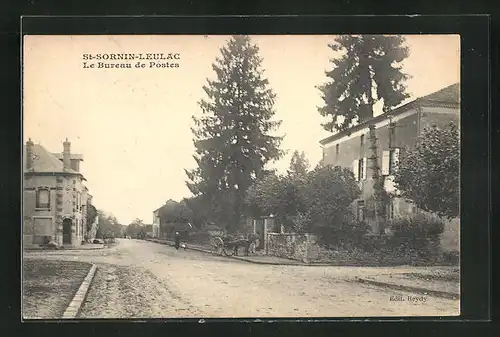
x: 230, y: 253
x: 218, y: 250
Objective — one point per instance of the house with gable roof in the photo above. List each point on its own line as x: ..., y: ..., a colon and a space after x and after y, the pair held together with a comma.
x: 55, y: 197
x: 394, y: 131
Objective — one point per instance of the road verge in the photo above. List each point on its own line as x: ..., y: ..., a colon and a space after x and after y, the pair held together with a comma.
x: 74, y: 307
x: 406, y: 288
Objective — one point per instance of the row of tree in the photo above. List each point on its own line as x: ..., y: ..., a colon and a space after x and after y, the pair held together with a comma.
x: 138, y: 229
x: 235, y: 138
x: 109, y: 226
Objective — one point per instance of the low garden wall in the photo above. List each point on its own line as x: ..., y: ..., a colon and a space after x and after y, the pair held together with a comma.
x: 301, y: 247
x: 375, y: 250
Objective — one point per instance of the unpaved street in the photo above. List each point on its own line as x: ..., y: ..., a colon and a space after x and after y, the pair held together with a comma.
x: 143, y: 279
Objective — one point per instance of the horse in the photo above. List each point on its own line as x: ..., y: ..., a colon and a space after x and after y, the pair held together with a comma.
x: 245, y: 243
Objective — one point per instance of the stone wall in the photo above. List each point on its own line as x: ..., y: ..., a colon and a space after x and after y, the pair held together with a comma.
x: 302, y: 247
x: 450, y: 239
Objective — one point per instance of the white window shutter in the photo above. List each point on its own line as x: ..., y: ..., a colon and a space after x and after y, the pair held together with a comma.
x: 355, y: 169
x: 365, y: 160
x: 385, y: 162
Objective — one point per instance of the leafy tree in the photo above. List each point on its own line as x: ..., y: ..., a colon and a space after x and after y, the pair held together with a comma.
x: 109, y: 227
x: 175, y: 212
x: 91, y: 216
x: 328, y: 196
x: 429, y: 173
x: 134, y: 228
x: 233, y: 137
x: 277, y: 195
x: 368, y: 70
x: 299, y: 165
x: 280, y: 195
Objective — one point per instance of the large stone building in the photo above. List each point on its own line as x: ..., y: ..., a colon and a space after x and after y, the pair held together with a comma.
x: 351, y: 148
x: 55, y: 198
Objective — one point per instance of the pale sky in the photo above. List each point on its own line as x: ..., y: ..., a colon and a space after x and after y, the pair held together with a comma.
x: 133, y: 125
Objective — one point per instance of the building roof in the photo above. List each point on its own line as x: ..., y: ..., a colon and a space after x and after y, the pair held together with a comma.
x: 45, y: 162
x: 450, y: 94
x: 73, y: 156
x: 159, y: 208
x: 448, y: 97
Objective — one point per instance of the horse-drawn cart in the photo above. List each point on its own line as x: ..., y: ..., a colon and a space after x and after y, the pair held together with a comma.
x: 229, y: 246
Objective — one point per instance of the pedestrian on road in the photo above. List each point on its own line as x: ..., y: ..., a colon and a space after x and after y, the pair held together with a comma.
x: 177, y: 240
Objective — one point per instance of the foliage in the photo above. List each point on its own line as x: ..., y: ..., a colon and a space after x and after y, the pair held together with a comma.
x: 174, y: 211
x: 233, y: 137
x: 429, y: 173
x: 135, y: 228
x: 417, y: 235
x: 277, y: 195
x: 367, y: 62
x: 299, y: 165
x: 91, y: 216
x: 418, y: 225
x: 109, y: 227
x: 328, y: 195
x: 199, y: 207
x: 280, y: 195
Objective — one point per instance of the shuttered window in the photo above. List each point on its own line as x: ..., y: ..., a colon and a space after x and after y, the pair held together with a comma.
x: 43, y: 198
x: 355, y: 169
x: 385, y: 162
x: 359, y: 169
x: 365, y: 160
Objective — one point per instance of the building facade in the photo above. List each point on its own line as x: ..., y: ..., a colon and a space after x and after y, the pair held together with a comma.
x: 55, y: 198
x: 156, y: 223
x: 353, y: 148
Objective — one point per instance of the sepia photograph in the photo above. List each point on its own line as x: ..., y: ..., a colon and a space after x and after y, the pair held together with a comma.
x: 240, y: 176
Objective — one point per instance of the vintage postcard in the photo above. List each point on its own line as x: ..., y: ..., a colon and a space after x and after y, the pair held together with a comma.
x: 247, y: 176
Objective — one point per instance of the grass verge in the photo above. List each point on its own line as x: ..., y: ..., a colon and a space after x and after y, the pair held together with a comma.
x: 49, y: 286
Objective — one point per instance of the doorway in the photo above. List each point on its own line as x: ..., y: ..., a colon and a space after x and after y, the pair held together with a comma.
x: 67, y: 231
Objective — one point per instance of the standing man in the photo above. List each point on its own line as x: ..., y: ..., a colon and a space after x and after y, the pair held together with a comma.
x: 177, y: 240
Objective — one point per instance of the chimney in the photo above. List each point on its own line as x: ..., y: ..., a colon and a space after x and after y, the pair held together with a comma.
x: 29, y: 155
x: 67, y: 155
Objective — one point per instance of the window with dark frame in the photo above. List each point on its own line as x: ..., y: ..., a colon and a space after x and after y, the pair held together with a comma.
x: 390, y: 210
x: 43, y: 198
x: 337, y: 149
x: 361, y: 167
x: 362, y: 140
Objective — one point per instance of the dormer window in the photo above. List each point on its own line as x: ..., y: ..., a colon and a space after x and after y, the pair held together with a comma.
x: 43, y: 198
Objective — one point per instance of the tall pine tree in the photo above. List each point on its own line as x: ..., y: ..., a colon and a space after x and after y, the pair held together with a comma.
x: 233, y: 137
x: 368, y: 71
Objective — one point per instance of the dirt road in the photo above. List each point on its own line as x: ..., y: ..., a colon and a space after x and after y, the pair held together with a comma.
x: 142, y: 279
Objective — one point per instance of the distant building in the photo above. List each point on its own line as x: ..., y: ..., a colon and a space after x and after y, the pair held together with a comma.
x: 55, y: 198
x: 351, y: 148
x: 156, y: 222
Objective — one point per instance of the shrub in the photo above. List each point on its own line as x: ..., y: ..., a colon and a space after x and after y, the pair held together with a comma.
x: 345, y: 236
x: 417, y: 238
x: 419, y: 225
x: 451, y: 258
